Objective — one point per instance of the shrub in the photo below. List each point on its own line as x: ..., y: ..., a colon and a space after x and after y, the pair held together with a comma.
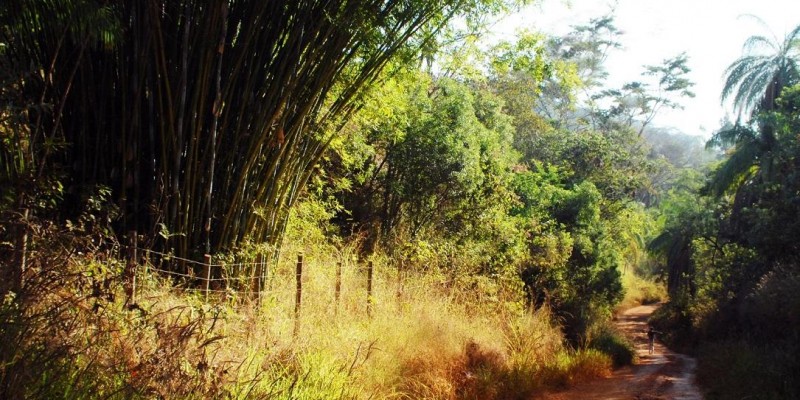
x: 741, y: 370
x: 589, y: 364
x: 613, y: 343
x: 676, y: 321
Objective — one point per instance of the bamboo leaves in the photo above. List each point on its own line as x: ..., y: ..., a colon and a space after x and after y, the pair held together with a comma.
x: 206, y: 118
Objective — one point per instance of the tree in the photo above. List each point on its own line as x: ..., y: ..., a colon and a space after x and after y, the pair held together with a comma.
x: 577, y: 65
x: 588, y: 46
x: 639, y: 102
x: 205, y: 118
x: 573, y: 262
x: 436, y: 163
x: 755, y: 80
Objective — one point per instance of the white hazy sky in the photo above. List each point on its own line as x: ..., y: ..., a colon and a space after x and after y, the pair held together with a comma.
x: 711, y: 32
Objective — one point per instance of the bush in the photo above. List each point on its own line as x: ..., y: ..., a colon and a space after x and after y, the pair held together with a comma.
x: 589, y: 364
x: 613, y: 343
x: 675, y: 320
x: 740, y: 370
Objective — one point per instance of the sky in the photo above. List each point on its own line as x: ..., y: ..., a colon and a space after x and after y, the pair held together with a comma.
x: 711, y: 32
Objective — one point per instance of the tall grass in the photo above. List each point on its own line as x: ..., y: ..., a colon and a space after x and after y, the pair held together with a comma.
x: 430, y: 335
x: 640, y: 290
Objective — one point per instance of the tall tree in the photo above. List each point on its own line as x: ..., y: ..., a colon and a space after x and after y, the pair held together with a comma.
x: 638, y: 102
x: 756, y: 79
x: 207, y: 118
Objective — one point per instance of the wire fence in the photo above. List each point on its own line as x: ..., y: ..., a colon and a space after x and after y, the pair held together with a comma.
x: 275, y: 279
x: 218, y: 280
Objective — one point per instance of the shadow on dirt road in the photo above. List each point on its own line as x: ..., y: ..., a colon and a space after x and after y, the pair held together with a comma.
x: 659, y: 376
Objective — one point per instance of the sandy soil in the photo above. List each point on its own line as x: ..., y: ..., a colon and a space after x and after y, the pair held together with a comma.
x: 658, y: 376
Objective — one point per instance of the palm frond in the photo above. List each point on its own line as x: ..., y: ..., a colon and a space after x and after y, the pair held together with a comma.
x: 735, y: 73
x: 792, y: 38
x: 754, y: 42
x: 660, y: 244
x: 760, y: 22
x: 741, y: 164
x: 725, y: 138
x: 755, y: 80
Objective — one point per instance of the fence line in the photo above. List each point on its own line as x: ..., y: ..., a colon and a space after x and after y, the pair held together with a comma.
x: 254, y: 283
x: 365, y: 268
x: 188, y: 260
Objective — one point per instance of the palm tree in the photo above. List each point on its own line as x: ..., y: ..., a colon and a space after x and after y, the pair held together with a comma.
x: 755, y: 80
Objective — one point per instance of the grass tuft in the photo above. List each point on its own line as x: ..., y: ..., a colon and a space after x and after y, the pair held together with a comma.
x: 610, y: 341
x: 429, y: 336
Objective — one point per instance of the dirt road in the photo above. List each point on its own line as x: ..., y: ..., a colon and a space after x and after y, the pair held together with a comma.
x: 659, y: 376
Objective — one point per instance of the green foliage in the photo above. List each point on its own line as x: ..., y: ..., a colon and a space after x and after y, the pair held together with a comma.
x: 615, y: 344
x: 757, y: 79
x: 309, y: 224
x: 738, y: 369
x: 572, y: 263
x: 729, y: 250
x: 614, y: 161
x: 437, y: 169
x: 526, y: 57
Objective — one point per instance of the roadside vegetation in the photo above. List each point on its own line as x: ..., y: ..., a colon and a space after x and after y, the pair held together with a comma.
x: 72, y: 333
x: 729, y: 243
x: 470, y: 216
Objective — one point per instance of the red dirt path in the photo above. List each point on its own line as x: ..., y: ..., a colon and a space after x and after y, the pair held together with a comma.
x: 659, y: 376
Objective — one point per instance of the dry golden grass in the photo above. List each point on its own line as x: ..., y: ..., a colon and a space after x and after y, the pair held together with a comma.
x: 429, y: 335
x: 639, y: 291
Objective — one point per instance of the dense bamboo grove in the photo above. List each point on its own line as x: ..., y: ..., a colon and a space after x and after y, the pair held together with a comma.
x: 204, y: 118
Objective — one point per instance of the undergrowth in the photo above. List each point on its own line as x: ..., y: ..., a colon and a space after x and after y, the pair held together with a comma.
x: 72, y: 331
x: 639, y: 290
x: 739, y: 369
x: 609, y: 340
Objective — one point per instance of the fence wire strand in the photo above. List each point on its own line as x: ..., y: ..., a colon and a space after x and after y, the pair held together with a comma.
x: 358, y: 268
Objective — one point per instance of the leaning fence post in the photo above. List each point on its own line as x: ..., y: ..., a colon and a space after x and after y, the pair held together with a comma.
x: 299, y: 293
x: 369, y: 288
x: 207, y: 272
x: 338, y: 291
x: 130, y: 270
x: 18, y: 271
x: 400, y: 280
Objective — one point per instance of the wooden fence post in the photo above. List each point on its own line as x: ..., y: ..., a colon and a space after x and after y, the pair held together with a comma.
x: 22, y: 257
x: 299, y: 293
x: 130, y: 270
x: 400, y: 281
x: 369, y: 288
x: 146, y: 263
x: 258, y: 278
x: 338, y: 292
x: 207, y: 273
